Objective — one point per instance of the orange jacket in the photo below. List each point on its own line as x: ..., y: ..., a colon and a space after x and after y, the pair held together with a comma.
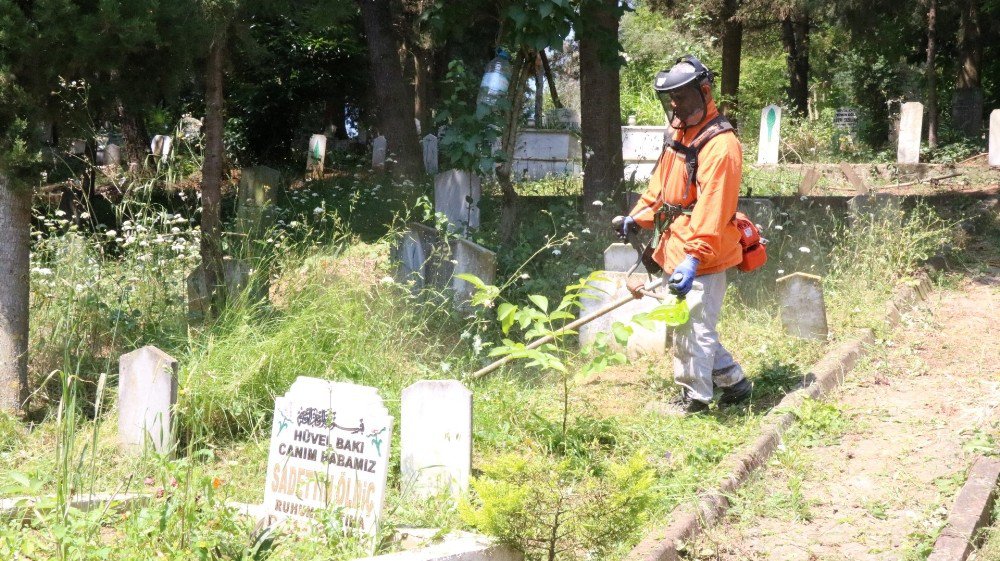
x: 708, y: 233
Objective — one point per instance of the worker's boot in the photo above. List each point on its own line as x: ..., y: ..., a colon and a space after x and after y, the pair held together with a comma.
x: 736, y: 393
x: 679, y: 406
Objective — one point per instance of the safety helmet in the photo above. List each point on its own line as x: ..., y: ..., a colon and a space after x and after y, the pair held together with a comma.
x: 688, y: 71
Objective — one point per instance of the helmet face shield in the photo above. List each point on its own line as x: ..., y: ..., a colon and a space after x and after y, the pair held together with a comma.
x: 684, y: 107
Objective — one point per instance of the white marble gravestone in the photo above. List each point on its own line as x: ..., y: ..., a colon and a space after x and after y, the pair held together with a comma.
x: 316, y: 156
x: 430, y: 146
x: 147, y: 392
x: 436, y: 438
x: 803, y: 310
x: 620, y: 257
x: 643, y: 342
x: 380, y: 148
x: 156, y: 146
x: 641, y: 148
x: 167, y: 147
x: 457, y: 194
x: 770, y: 135
x: 910, y: 123
x: 994, y: 157
x: 329, y: 450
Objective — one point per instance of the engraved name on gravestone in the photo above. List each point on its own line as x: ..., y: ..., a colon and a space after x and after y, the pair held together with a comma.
x: 329, y: 450
x: 436, y: 437
x: 910, y: 122
x: 770, y: 131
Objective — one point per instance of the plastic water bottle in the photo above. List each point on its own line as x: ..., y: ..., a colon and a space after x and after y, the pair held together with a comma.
x: 496, y: 79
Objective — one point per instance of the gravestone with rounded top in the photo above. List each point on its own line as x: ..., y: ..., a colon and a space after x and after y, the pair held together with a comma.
x: 316, y: 156
x: 112, y: 155
x: 380, y: 147
x: 803, y: 310
x: 620, y: 258
x: 436, y: 437
x: 329, y: 450
x: 430, y: 146
x: 770, y: 135
x: 147, y: 392
x: 910, y: 122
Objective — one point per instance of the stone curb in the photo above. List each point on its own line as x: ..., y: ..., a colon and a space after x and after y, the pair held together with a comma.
x: 21, y: 506
x: 971, y: 512
x: 686, y: 522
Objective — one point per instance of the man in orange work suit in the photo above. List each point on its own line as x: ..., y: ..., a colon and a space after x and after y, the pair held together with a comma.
x: 692, y: 196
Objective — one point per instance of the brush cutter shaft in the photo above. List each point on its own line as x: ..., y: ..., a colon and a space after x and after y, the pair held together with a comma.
x: 648, y: 287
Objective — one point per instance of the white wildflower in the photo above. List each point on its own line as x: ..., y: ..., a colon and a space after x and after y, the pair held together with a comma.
x: 445, y: 367
x: 804, y: 249
x: 111, y: 233
x: 84, y: 215
x: 598, y: 203
x: 318, y: 210
x: 778, y: 227
x: 781, y: 271
x: 556, y: 252
x: 525, y: 276
x: 387, y: 280
x: 585, y: 231
x: 60, y: 212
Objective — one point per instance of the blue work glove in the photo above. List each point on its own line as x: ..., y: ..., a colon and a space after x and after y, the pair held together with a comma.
x: 624, y: 225
x: 683, y: 276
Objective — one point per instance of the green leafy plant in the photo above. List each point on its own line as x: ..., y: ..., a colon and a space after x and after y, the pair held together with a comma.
x: 470, y: 130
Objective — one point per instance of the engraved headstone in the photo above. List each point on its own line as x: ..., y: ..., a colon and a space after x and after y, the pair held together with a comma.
x: 994, y: 157
x: 803, y: 310
x: 457, y: 194
x: 430, y: 146
x: 380, y: 147
x: 436, y: 437
x: 846, y: 118
x: 255, y: 194
x: 910, y: 122
x: 770, y: 135
x: 613, y: 287
x: 329, y: 450
x: 316, y: 156
x: 147, y: 392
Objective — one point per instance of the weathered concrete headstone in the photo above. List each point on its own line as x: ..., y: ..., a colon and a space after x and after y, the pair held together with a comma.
x: 436, y: 437
x: 147, y: 392
x: 803, y: 310
x: 910, y: 122
x: 470, y: 259
x: 190, y: 127
x: 430, y: 146
x: 112, y: 155
x: 632, y: 120
x: 809, y: 181
x: 770, y: 135
x: 620, y: 257
x: 414, y: 254
x: 237, y: 277
x: 967, y: 110
x: 641, y: 148
x: 316, y: 157
x: 166, y: 147
x: 846, y: 119
x: 457, y: 194
x: 256, y: 192
x: 380, y: 148
x: 758, y: 209
x: 853, y: 178
x: 329, y: 450
x: 78, y: 147
x: 994, y: 157
x: 156, y: 146
x: 613, y: 287
x: 538, y: 153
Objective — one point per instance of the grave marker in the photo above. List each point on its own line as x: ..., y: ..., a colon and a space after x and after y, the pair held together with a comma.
x: 620, y: 257
x: 256, y: 192
x: 803, y: 310
x: 643, y: 342
x: 470, y: 259
x: 457, y: 194
x: 994, y: 157
x: 147, y: 392
x: 430, y: 146
x: 112, y: 155
x: 538, y: 153
x: 237, y: 276
x: 641, y: 148
x: 809, y: 181
x: 910, y: 122
x: 190, y: 127
x: 329, y: 449
x: 414, y: 253
x: 316, y: 157
x: 853, y: 178
x: 78, y: 147
x: 380, y: 148
x: 967, y: 110
x: 770, y: 135
x: 436, y: 437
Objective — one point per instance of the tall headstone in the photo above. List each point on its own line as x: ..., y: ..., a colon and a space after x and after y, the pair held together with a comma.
x: 380, y: 148
x: 167, y: 147
x: 436, y: 438
x: 967, y: 110
x: 329, y: 450
x: 470, y: 259
x: 611, y: 287
x: 994, y: 157
x: 147, y: 392
x: 911, y: 120
x: 457, y: 194
x: 156, y: 146
x: 430, y: 146
x: 803, y: 310
x: 112, y: 155
x: 770, y: 135
x: 316, y: 157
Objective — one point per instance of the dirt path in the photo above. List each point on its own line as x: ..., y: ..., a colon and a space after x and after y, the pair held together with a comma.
x: 910, y: 421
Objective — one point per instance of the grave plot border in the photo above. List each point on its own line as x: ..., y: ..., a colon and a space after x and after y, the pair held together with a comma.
x: 971, y: 511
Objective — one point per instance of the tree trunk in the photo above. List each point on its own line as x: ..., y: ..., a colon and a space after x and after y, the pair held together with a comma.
x: 600, y: 102
x: 539, y: 89
x: 732, y: 53
x: 394, y: 99
x: 795, y: 36
x: 520, y: 70
x: 931, y: 69
x: 211, y: 176
x: 552, y: 83
x: 15, y: 232
x: 970, y: 46
x: 135, y: 136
